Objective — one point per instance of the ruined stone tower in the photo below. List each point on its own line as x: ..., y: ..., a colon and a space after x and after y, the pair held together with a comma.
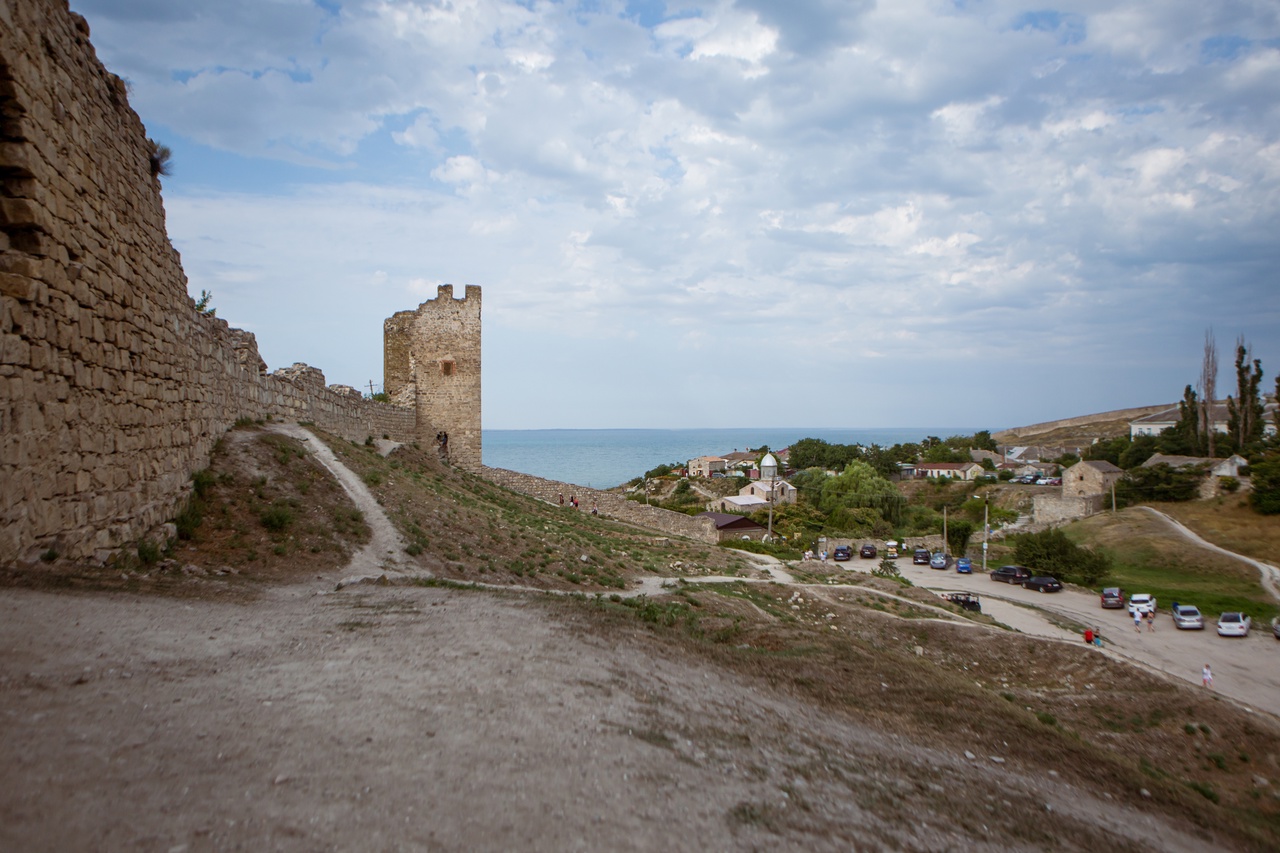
x: 431, y: 356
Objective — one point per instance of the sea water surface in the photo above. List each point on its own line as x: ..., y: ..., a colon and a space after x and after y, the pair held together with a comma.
x: 604, y: 458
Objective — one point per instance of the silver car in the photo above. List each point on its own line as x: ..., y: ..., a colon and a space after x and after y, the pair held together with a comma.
x: 1187, y: 617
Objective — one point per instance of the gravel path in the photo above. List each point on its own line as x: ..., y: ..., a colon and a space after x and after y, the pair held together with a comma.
x: 1269, y: 574
x: 383, y: 554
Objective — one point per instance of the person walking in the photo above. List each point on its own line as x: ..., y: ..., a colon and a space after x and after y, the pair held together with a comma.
x: 1206, y: 676
x: 1151, y: 620
x: 1137, y: 621
x: 1097, y: 637
x: 1088, y: 636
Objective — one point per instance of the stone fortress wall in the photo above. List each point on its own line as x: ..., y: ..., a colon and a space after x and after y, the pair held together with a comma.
x: 113, y: 387
x: 610, y: 504
x: 436, y: 350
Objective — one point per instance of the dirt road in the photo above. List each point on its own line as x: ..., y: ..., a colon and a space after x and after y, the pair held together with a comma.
x: 1246, y: 669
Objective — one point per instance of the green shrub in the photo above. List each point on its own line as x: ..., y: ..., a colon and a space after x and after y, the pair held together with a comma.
x: 148, y: 552
x: 277, y: 517
x: 1051, y: 552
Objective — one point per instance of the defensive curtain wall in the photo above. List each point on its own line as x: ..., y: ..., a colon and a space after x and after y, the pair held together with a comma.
x: 113, y: 387
x: 609, y: 504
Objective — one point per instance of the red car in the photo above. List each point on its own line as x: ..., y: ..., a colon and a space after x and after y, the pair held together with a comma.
x: 1113, y: 598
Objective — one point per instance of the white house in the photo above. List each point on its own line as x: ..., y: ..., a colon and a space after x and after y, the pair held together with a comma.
x: 762, y: 489
x: 950, y: 470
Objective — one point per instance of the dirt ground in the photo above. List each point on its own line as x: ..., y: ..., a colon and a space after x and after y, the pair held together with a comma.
x: 427, y: 718
x: 267, y: 709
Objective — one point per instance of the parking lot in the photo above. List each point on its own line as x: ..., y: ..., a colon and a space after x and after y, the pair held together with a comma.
x: 1246, y: 669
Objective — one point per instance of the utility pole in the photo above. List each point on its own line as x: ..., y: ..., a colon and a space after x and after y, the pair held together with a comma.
x: 986, y: 529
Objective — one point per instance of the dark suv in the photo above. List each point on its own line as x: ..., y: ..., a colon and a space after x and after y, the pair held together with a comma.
x: 867, y: 552
x: 1011, y: 574
x: 842, y: 553
x: 920, y: 557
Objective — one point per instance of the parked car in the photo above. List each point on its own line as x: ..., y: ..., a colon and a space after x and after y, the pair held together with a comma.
x: 1043, y: 584
x: 939, y: 560
x: 1234, y: 624
x: 842, y: 553
x: 1055, y: 481
x: 891, y: 550
x: 964, y: 566
x: 1142, y: 602
x: 1187, y: 617
x: 1011, y: 574
x: 967, y: 600
x: 867, y: 552
x: 1044, y: 481
x: 920, y: 557
x: 1112, y: 598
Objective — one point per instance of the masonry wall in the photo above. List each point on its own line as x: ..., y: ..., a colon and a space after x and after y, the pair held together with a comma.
x: 1056, y: 509
x: 443, y: 338
x: 610, y: 504
x: 113, y: 388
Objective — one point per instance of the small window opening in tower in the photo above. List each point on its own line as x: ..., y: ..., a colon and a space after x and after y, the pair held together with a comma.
x: 446, y: 366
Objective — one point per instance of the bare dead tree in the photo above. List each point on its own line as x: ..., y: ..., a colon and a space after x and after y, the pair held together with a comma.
x: 1208, y: 388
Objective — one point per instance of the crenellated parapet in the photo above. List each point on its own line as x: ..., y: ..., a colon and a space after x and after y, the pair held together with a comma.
x: 433, y: 354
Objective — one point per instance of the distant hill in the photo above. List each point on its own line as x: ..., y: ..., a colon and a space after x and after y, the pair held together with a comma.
x: 1078, y: 430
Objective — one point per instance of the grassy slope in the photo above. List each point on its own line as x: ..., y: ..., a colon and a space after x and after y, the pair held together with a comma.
x: 1096, y: 721
x: 1148, y: 558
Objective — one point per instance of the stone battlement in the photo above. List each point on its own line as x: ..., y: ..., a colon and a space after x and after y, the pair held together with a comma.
x: 113, y: 387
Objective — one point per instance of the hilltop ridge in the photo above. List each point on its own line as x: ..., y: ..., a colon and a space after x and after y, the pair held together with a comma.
x: 1078, y: 430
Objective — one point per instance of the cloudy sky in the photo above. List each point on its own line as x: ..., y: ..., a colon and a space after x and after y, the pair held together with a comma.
x: 841, y: 213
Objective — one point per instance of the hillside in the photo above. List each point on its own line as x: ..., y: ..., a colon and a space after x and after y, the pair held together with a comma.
x: 849, y: 712
x: 1076, y: 431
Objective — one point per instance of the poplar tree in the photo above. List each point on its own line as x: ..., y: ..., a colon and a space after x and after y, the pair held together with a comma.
x: 1245, y: 411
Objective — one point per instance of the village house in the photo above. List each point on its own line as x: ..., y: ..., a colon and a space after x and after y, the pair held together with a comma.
x: 1091, y: 477
x: 742, y: 504
x: 1157, y: 422
x: 734, y: 526
x: 705, y: 466
x: 1229, y: 467
x: 786, y: 493
x: 949, y: 470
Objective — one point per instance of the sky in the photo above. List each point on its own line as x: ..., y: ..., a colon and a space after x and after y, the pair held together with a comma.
x: 839, y: 213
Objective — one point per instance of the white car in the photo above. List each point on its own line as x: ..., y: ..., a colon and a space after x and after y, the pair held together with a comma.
x: 1142, y: 602
x: 1187, y: 617
x: 1234, y: 625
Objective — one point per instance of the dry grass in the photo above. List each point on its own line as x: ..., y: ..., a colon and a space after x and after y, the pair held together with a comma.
x: 1099, y: 723
x: 1149, y: 557
x: 1229, y: 523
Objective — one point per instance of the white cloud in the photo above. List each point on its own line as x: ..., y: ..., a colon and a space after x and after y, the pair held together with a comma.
x: 898, y: 190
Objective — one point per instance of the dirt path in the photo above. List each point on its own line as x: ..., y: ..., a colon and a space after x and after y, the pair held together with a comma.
x: 1268, y: 574
x: 1243, y: 671
x: 382, y: 555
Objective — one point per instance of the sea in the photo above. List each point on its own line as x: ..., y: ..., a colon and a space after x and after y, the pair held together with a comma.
x: 604, y: 458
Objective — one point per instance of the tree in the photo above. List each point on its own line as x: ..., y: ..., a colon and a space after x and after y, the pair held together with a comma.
x: 1265, y: 474
x: 1139, y: 450
x: 860, y: 486
x: 203, y: 304
x: 958, y: 534
x: 161, y: 159
x: 982, y: 440
x: 1052, y: 553
x: 1160, y: 483
x: 1245, y: 410
x: 1208, y: 388
x: 1183, y: 438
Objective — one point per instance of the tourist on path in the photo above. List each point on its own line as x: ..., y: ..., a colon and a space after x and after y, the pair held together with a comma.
x: 1151, y: 620
x: 1137, y: 621
x: 1206, y: 676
